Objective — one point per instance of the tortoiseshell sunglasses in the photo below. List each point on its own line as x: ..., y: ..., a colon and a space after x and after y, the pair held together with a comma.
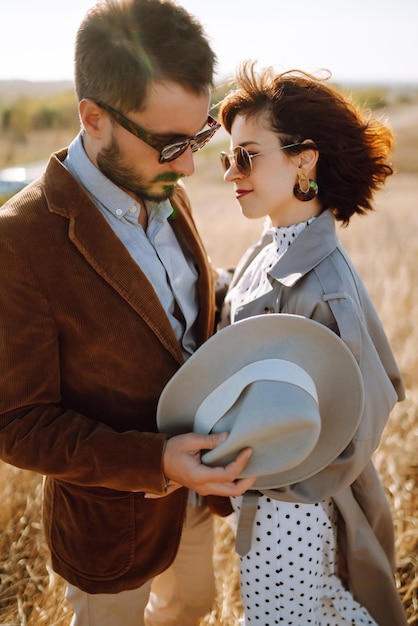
x: 168, y: 151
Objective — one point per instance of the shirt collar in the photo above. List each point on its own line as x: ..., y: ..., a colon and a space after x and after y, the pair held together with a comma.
x: 102, y: 190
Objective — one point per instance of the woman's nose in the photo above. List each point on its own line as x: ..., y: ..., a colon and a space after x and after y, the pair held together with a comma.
x: 232, y: 173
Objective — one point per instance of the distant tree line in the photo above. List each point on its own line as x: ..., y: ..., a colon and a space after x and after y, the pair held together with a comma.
x: 26, y: 115
x: 59, y: 111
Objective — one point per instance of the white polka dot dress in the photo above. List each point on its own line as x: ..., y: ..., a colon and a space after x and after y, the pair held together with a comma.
x: 290, y: 574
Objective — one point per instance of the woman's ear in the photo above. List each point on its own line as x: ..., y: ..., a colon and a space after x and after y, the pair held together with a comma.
x: 308, y: 158
x: 92, y: 118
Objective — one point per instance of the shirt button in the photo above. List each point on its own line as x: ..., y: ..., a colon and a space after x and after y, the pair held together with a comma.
x: 132, y: 209
x: 118, y: 211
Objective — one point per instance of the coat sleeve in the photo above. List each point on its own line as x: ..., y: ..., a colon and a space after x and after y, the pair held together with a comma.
x: 37, y: 430
x: 382, y: 385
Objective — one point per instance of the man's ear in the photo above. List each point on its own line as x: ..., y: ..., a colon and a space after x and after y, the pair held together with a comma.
x: 92, y: 118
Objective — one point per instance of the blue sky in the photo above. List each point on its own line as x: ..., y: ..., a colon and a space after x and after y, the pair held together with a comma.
x: 369, y: 41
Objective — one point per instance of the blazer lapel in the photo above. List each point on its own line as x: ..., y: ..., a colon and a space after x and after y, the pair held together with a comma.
x: 102, y: 249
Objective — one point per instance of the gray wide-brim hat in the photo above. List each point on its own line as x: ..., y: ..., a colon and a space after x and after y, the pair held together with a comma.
x: 284, y: 385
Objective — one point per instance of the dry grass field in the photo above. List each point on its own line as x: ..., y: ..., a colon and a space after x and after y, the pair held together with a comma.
x: 384, y: 247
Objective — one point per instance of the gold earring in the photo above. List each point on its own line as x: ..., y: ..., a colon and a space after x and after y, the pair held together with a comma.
x: 305, y: 188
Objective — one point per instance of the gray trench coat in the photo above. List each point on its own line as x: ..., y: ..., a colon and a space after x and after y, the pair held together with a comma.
x: 316, y: 279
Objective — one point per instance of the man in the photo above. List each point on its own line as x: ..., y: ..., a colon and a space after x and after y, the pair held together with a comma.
x: 105, y: 290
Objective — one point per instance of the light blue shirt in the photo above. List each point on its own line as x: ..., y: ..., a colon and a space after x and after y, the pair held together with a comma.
x: 156, y: 251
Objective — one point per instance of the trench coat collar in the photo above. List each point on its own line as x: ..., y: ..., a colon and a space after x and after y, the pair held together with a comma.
x: 102, y: 249
x: 311, y: 247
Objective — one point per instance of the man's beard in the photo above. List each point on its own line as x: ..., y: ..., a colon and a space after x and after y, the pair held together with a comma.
x: 109, y: 161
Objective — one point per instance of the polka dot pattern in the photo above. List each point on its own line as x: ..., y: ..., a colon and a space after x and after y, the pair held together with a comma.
x: 289, y: 577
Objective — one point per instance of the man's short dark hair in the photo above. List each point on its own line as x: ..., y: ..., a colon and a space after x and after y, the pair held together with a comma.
x: 122, y: 46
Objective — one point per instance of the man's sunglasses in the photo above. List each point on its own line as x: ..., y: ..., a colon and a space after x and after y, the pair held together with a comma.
x: 243, y: 159
x: 168, y: 151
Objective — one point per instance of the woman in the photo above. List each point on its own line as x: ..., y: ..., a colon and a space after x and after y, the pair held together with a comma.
x: 304, y: 157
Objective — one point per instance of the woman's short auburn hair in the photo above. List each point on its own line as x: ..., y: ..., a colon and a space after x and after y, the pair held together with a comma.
x: 353, y: 145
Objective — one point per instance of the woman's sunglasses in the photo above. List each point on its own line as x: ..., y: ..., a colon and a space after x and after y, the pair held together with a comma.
x: 243, y: 159
x: 169, y: 150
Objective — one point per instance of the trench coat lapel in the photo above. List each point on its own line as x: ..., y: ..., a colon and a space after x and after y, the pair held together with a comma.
x: 312, y: 246
x: 309, y: 249
x: 102, y: 249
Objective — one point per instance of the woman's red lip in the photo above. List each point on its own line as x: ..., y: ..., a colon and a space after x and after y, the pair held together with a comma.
x: 239, y: 193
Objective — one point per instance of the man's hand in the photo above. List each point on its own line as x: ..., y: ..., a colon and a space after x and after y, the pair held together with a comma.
x: 182, y: 466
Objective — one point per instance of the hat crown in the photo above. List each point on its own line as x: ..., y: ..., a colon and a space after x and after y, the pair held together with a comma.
x: 277, y: 336
x: 283, y: 418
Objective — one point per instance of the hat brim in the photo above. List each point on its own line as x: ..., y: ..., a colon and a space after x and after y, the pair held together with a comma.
x: 307, y: 343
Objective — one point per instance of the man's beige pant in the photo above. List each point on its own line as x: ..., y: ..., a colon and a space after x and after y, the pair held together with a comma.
x: 179, y: 596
